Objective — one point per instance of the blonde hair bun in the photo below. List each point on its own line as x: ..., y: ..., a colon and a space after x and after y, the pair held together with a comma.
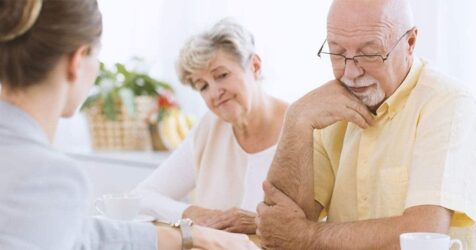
x: 17, y: 17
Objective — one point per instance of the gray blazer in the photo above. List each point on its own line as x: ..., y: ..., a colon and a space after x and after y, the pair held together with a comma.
x: 44, y: 196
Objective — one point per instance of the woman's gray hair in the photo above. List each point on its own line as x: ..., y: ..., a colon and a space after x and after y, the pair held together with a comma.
x: 200, y: 49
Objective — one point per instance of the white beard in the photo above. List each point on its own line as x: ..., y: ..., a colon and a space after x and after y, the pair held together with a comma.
x: 374, y: 96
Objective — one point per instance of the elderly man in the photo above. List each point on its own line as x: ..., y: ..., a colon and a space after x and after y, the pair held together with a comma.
x: 388, y: 147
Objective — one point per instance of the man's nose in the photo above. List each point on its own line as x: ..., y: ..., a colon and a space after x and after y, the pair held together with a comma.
x: 352, y: 70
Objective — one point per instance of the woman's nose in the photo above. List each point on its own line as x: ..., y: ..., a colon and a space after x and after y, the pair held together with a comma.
x: 218, y: 92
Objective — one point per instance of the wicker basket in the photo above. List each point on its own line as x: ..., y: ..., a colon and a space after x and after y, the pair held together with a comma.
x: 126, y: 132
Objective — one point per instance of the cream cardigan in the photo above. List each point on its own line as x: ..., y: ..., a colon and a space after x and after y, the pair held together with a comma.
x: 212, y: 163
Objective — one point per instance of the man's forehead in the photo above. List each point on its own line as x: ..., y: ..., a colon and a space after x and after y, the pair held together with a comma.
x: 366, y: 36
x: 374, y: 34
x: 370, y: 43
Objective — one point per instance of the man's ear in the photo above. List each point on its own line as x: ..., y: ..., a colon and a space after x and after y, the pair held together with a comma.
x: 75, y: 60
x: 412, y: 37
x: 256, y: 66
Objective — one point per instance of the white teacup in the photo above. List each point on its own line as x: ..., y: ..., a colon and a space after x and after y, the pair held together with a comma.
x: 428, y: 241
x: 119, y: 206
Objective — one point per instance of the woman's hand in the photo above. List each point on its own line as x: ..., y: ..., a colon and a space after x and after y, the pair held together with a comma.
x: 204, y: 238
x: 234, y: 220
x: 200, y: 215
x: 211, y: 239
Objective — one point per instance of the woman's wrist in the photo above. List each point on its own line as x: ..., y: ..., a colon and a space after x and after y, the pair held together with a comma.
x: 168, y: 238
x: 199, y: 241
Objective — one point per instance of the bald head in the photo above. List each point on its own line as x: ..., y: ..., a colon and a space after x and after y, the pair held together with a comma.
x: 350, y: 14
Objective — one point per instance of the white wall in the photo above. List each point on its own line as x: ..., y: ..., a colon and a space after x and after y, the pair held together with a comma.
x: 447, y: 36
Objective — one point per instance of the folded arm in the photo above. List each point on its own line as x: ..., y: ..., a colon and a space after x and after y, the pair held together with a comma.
x: 286, y: 226
x: 292, y: 168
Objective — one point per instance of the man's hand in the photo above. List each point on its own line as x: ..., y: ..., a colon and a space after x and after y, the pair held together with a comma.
x: 292, y: 167
x: 283, y: 224
x: 234, y: 220
x: 329, y: 104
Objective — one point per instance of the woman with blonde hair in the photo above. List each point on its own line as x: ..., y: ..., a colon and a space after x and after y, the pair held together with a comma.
x: 48, y: 62
x: 227, y: 156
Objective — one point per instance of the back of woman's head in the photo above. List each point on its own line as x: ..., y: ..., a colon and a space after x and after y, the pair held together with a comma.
x: 35, y: 34
x: 200, y: 49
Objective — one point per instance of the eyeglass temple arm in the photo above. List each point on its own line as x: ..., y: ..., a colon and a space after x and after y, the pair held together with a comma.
x: 394, y: 46
x: 320, y: 49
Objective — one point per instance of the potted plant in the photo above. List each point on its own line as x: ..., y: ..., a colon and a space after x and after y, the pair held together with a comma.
x: 119, y: 105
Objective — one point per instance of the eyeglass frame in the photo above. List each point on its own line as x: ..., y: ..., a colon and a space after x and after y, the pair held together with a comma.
x: 362, y: 56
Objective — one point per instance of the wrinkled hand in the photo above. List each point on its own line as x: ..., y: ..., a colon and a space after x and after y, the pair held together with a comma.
x: 234, y: 220
x: 201, y: 216
x: 329, y: 104
x: 211, y: 239
x: 283, y: 224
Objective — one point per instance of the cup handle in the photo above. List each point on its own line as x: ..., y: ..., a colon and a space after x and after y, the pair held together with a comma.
x: 457, y: 242
x: 99, y: 206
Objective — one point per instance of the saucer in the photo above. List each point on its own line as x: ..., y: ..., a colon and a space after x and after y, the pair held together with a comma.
x: 138, y: 218
x: 143, y: 218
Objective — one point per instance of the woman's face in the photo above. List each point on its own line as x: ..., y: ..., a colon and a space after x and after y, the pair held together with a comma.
x: 226, y: 87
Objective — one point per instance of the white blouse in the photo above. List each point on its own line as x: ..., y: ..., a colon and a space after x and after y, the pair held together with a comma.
x: 211, y: 163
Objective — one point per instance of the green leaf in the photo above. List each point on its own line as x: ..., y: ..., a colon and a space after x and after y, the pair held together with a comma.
x: 127, y: 99
x: 109, y: 107
x: 90, y: 101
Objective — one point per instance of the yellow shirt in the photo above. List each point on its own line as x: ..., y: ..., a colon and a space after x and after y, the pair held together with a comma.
x: 422, y: 151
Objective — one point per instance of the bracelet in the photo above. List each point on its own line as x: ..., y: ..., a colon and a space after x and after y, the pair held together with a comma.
x: 186, y: 231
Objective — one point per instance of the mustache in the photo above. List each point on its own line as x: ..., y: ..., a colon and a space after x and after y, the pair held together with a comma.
x: 361, y: 82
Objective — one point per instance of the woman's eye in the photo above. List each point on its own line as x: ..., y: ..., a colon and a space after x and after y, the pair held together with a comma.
x: 200, y: 85
x: 203, y: 87
x: 221, y: 76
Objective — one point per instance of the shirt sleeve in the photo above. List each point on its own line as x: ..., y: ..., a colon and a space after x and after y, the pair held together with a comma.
x: 46, y: 207
x: 105, y: 234
x: 323, y: 174
x: 169, y: 183
x: 442, y: 170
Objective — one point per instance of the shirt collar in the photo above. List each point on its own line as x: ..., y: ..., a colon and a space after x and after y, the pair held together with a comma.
x: 397, y: 100
x: 18, y: 123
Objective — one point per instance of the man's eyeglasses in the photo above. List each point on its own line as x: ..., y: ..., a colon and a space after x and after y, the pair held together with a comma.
x: 366, y: 61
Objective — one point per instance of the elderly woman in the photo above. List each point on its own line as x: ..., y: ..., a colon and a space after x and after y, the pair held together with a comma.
x: 227, y: 156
